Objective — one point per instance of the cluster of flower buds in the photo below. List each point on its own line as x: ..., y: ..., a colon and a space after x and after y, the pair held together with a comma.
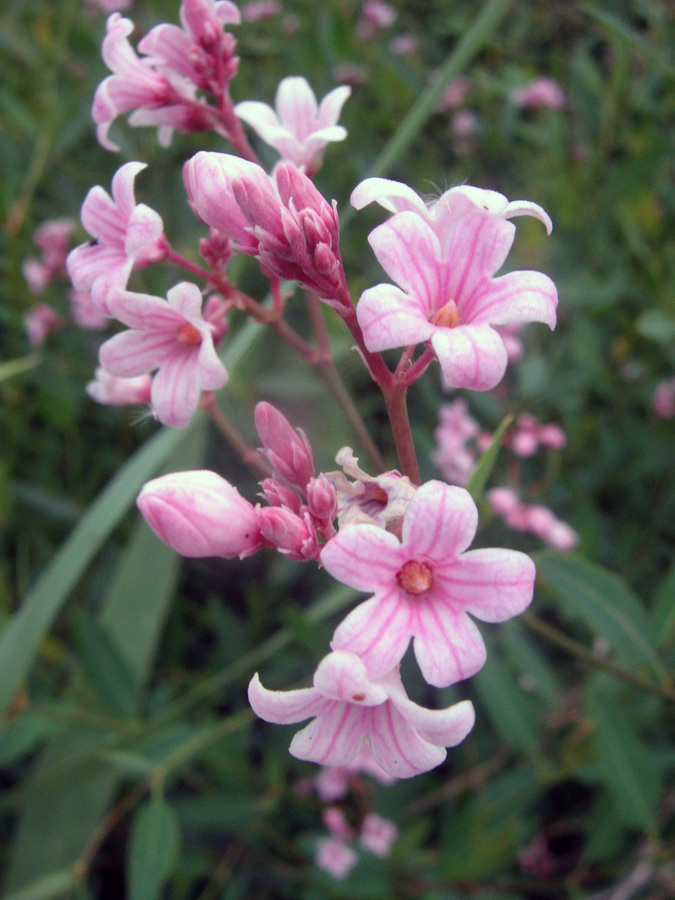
x: 52, y: 238
x: 540, y: 93
x: 536, y: 519
x: 333, y: 853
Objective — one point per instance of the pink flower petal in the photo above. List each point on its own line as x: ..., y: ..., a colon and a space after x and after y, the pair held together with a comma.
x: 397, y: 747
x: 364, y: 557
x: 393, y: 196
x: 212, y: 373
x: 335, y: 737
x: 101, y: 218
x: 123, y: 188
x: 378, y: 630
x: 144, y: 311
x: 296, y: 106
x: 144, y: 228
x: 136, y: 352
x: 284, y: 707
x: 186, y: 299
x: 442, y: 727
x: 262, y: 118
x: 409, y: 252
x: 389, y: 318
x: 477, y: 246
x: 440, y: 522
x: 515, y: 298
x: 331, y: 107
x: 343, y: 676
x: 175, y: 389
x: 492, y: 584
x: 471, y: 356
x: 448, y: 646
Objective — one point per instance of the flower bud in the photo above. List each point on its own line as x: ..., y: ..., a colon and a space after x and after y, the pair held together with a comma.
x: 200, y: 514
x: 288, y: 533
x: 287, y: 450
x: 322, y: 498
x: 278, y: 494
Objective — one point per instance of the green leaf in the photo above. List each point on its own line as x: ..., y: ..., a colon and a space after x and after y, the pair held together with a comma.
x: 509, y: 709
x: 21, y: 637
x: 58, y: 884
x: 486, y: 463
x: 663, y: 609
x: 105, y: 667
x: 18, y: 366
x: 525, y: 657
x: 153, y: 849
x: 631, y: 37
x: 606, y: 604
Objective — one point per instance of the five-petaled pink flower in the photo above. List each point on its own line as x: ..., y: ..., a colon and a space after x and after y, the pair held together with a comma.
x: 447, y: 294
x: 349, y: 706
x: 126, y: 236
x: 298, y: 129
x: 169, y: 335
x: 425, y: 585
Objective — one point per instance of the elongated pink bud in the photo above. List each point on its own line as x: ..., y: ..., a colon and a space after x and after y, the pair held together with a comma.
x: 200, y: 514
x: 287, y: 533
x: 286, y: 449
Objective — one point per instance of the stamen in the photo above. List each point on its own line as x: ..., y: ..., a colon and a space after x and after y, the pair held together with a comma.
x: 415, y: 577
x: 190, y: 335
x: 447, y: 316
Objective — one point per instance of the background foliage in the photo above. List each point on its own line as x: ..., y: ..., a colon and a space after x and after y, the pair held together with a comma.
x: 129, y: 762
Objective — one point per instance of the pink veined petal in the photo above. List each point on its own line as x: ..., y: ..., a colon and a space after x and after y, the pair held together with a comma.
x: 471, y: 356
x: 296, y: 106
x: 448, y: 646
x: 144, y: 228
x: 170, y: 44
x: 391, y: 318
x: 476, y: 247
x: 123, y: 187
x: 114, y: 277
x: 378, y: 630
x: 526, y: 208
x: 144, y: 311
x: 324, y: 135
x: 186, y: 299
x: 175, y: 389
x: 364, y: 557
x: 442, y: 727
x: 101, y: 218
x: 212, y: 373
x: 397, y: 747
x: 262, y: 118
x: 134, y: 353
x: 343, y: 676
x: 284, y: 707
x: 335, y: 737
x: 409, y: 252
x: 440, y: 522
x: 331, y: 106
x: 227, y: 13
x: 513, y: 299
x: 88, y: 261
x: 492, y: 584
x: 393, y: 196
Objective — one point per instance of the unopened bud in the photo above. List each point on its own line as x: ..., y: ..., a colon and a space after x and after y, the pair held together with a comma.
x: 287, y: 450
x: 278, y: 494
x: 200, y: 514
x: 288, y: 533
x: 321, y: 498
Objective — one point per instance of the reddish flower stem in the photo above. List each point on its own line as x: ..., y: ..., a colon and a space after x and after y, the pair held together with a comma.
x: 420, y: 366
x: 248, y: 455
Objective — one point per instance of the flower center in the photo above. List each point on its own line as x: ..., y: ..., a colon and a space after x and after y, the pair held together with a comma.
x: 190, y: 335
x: 415, y: 577
x: 447, y: 316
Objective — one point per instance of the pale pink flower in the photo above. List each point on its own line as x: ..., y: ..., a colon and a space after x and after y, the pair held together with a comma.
x: 452, y: 456
x: 537, y: 520
x: 376, y: 499
x: 259, y: 10
x: 298, y: 128
x: 107, y: 6
x: 136, y: 84
x: 350, y: 707
x: 37, y: 275
x: 454, y: 94
x: 171, y: 336
x: 538, y: 93
x: 447, y: 294
x: 110, y: 390
x: 39, y: 322
x: 200, y: 514
x: 663, y: 399
x: 377, y: 834
x: 512, y: 341
x: 52, y: 238
x: 441, y: 213
x: 406, y: 45
x: 333, y: 782
x: 84, y: 313
x: 335, y: 857
x: 336, y: 822
x: 464, y: 124
x: 126, y: 236
x: 530, y: 434
x: 425, y: 585
x: 374, y: 16
x: 350, y: 73
x: 283, y: 221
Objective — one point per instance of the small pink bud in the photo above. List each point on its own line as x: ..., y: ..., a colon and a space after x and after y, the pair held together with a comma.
x: 288, y: 533
x: 279, y: 494
x: 200, y: 514
x: 322, y: 498
x: 335, y: 821
x: 503, y: 500
x: 552, y: 436
x: 287, y: 450
x: 377, y: 835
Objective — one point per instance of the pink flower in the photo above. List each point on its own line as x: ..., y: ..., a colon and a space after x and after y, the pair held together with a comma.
x: 425, y: 585
x: 663, y: 399
x: 169, y: 335
x: 377, y: 835
x: 530, y: 434
x: 336, y: 822
x: 333, y: 782
x: 454, y: 94
x: 83, y: 311
x: 538, y: 520
x: 447, y: 294
x: 456, y: 427
x: 107, y: 6
x: 135, y: 83
x: 110, y: 390
x: 406, y: 45
x: 350, y: 707
x: 335, y: 857
x: 39, y: 322
x: 259, y: 10
x: 200, y: 514
x: 285, y: 222
x: 441, y: 214
x: 126, y: 236
x: 538, y: 93
x: 297, y: 128
x: 374, y: 16
x: 52, y: 237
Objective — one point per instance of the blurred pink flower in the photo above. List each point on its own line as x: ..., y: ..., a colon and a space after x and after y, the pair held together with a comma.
x: 298, y: 128
x: 374, y: 16
x: 52, y: 238
x: 39, y: 322
x: 454, y: 94
x: 663, y: 399
x: 84, y: 313
x: 126, y: 236
x: 333, y: 782
x: 425, y: 586
x: 349, y: 707
x: 537, y: 520
x: 200, y: 514
x: 107, y: 6
x: 171, y: 336
x: 538, y: 93
x: 529, y: 434
x: 110, y: 390
x: 377, y: 835
x: 406, y: 45
x: 452, y: 456
x: 447, y: 294
x: 259, y: 10
x: 335, y: 857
